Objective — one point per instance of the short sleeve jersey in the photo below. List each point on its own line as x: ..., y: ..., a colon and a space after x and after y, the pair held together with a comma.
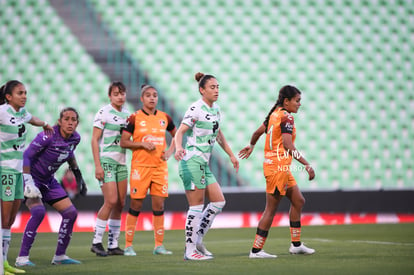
x: 146, y: 127
x: 204, y: 123
x: 12, y: 137
x: 110, y: 121
x: 46, y: 153
x: 280, y: 122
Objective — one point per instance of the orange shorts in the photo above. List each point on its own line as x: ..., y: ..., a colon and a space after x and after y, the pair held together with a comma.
x: 278, y: 175
x: 153, y: 178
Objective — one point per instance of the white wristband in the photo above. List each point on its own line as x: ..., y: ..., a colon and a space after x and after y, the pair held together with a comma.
x: 45, y: 124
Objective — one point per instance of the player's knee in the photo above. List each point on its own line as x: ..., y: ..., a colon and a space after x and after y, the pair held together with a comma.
x: 299, y: 202
x: 38, y: 211
x: 218, y: 206
x: 70, y: 213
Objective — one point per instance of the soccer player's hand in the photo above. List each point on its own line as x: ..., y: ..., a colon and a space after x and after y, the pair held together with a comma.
x: 310, y: 171
x: 179, y: 153
x: 99, y: 173
x: 246, y: 151
x: 30, y: 189
x: 235, y: 162
x: 148, y: 146
x: 82, y: 189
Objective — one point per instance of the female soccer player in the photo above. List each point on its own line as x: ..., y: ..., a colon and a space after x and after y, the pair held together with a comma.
x: 202, y: 120
x: 149, y: 165
x: 110, y: 168
x: 279, y: 150
x: 13, y: 116
x: 41, y: 160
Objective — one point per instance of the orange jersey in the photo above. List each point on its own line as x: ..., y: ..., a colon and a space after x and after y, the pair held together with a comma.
x: 149, y: 128
x: 280, y: 122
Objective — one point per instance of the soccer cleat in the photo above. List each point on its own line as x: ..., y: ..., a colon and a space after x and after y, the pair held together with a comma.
x: 115, y: 251
x: 8, y: 268
x: 196, y: 255
x: 302, y: 249
x: 23, y: 261
x: 99, y: 250
x: 63, y: 259
x: 160, y: 250
x: 202, y: 248
x: 129, y: 251
x: 7, y: 273
x: 261, y: 255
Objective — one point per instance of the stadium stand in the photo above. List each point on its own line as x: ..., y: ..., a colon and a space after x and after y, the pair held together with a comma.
x: 351, y: 59
x: 39, y: 50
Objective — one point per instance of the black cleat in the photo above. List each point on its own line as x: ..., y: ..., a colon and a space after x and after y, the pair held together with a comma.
x: 98, y: 249
x: 115, y: 251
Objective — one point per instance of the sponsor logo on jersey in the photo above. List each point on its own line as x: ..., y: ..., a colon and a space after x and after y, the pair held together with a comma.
x: 154, y: 140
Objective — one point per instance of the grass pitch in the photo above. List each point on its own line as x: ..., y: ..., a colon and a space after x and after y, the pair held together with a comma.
x: 340, y: 249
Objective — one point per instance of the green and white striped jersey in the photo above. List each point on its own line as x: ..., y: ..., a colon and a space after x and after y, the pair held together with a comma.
x: 12, y: 137
x: 111, y: 121
x: 204, y: 123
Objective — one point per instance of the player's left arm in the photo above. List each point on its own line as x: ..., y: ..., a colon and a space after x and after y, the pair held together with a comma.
x: 73, y: 165
x: 223, y: 144
x: 291, y: 149
x: 167, y: 154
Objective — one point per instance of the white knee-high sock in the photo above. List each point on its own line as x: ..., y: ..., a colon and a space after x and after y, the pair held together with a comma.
x: 191, y: 225
x: 100, y: 228
x: 211, y: 211
x: 114, y: 229
x: 6, y: 242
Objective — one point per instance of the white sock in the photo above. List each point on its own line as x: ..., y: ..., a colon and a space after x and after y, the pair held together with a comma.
x: 211, y: 211
x: 100, y: 228
x: 6, y: 242
x: 191, y: 226
x: 114, y: 229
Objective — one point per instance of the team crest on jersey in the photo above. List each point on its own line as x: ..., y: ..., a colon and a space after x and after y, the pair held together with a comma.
x: 8, y: 192
x: 162, y: 122
x: 143, y: 123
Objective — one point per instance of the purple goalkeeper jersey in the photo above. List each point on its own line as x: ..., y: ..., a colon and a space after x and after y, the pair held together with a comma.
x: 46, y: 153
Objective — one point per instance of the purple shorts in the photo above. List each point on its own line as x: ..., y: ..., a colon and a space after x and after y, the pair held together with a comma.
x: 51, y: 191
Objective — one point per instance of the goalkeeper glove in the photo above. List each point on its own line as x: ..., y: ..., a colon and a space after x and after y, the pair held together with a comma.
x: 82, y: 189
x: 30, y: 189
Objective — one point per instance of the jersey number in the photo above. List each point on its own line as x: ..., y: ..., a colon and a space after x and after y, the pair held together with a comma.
x: 7, y: 179
x: 270, y: 133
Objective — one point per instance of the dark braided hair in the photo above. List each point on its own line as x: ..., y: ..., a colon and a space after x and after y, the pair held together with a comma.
x: 288, y: 92
x: 7, y: 89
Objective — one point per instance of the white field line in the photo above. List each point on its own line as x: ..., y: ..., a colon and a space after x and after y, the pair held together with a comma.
x: 361, y: 241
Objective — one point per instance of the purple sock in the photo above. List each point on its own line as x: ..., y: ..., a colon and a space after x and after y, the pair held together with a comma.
x: 69, y: 216
x: 37, y: 214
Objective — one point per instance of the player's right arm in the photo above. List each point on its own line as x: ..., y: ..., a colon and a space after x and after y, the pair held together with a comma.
x: 179, y: 150
x: 96, y: 136
x: 246, y: 151
x: 127, y: 132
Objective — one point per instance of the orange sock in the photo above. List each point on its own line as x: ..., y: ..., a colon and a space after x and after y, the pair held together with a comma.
x: 158, y: 223
x: 131, y: 222
x: 259, y: 240
x: 295, y: 229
